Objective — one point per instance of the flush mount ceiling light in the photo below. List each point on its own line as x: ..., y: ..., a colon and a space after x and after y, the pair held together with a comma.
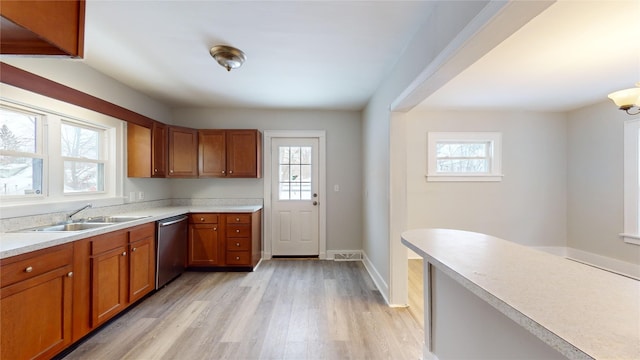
x: 227, y: 56
x: 628, y: 99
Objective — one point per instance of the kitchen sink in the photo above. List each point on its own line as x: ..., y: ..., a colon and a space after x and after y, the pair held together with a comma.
x: 71, y: 227
x: 85, y: 224
x: 113, y: 219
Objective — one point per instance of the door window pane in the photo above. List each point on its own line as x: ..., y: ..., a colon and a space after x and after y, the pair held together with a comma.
x: 295, y: 173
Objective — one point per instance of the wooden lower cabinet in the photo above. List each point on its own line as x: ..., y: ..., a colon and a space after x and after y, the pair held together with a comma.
x: 225, y: 240
x: 36, y: 303
x: 113, y: 271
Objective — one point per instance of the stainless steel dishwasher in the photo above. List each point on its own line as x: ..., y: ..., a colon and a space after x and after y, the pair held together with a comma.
x: 171, y: 249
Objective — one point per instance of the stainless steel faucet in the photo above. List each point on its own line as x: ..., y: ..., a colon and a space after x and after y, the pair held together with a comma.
x: 77, y: 211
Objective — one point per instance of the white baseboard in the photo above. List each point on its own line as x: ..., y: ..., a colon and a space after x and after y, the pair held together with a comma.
x: 599, y: 261
x: 375, y: 276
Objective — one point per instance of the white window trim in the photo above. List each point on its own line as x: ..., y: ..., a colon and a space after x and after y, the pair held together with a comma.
x: 114, y: 136
x: 495, y: 138
x: 631, y: 232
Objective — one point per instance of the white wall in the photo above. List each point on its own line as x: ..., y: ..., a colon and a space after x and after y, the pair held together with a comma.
x: 344, y: 162
x: 528, y: 206
x: 595, y: 182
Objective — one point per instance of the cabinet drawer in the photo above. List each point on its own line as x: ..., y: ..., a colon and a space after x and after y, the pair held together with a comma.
x: 238, y: 258
x: 108, y: 241
x: 238, y: 244
x: 203, y: 218
x: 34, y: 264
x: 234, y: 231
x: 239, y: 219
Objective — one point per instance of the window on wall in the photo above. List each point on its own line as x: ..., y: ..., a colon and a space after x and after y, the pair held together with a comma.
x: 464, y: 156
x: 48, y: 156
x: 632, y: 182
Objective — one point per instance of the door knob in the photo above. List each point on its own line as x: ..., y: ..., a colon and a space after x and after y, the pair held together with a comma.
x: 315, y: 195
x: 315, y: 203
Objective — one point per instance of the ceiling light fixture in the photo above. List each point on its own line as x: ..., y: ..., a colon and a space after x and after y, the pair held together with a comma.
x: 628, y: 99
x: 227, y: 56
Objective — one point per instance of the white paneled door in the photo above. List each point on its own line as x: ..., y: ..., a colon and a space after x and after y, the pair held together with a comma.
x: 295, y: 200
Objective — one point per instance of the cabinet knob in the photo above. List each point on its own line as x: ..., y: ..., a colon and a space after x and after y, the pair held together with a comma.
x: 237, y: 219
x: 70, y: 274
x: 237, y: 257
x: 171, y: 171
x: 134, y: 249
x: 124, y: 253
x: 223, y: 171
x: 215, y: 229
x: 28, y: 269
x: 238, y: 230
x: 238, y: 244
x: 201, y: 219
x: 230, y: 171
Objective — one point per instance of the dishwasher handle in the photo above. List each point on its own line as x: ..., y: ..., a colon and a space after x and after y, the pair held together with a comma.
x: 161, y: 224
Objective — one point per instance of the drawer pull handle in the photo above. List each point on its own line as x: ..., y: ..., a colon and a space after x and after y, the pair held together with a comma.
x: 70, y: 274
x: 201, y: 219
x: 124, y: 253
x: 237, y: 257
x: 238, y: 244
x: 238, y: 219
x: 28, y: 269
x: 238, y: 230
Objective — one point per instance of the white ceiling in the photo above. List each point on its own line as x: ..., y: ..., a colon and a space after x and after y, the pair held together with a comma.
x: 573, y: 54
x: 300, y: 54
x: 333, y: 54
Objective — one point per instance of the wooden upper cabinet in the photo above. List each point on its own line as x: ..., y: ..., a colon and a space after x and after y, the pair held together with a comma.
x: 212, y: 160
x: 159, y: 150
x: 183, y: 152
x: 42, y: 27
x: 244, y: 153
x: 138, y: 151
x: 230, y: 153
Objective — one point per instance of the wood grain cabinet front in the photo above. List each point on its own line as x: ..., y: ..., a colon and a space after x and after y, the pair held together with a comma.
x: 36, y: 303
x: 204, y: 247
x: 42, y: 27
x: 224, y: 241
x: 183, y: 152
x: 230, y: 153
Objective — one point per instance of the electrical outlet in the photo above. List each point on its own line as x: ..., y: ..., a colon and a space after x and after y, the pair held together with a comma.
x: 132, y: 196
x: 336, y: 188
x: 140, y: 195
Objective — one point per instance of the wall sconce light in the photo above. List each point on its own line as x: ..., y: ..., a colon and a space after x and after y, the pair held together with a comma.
x: 628, y: 99
x: 228, y: 57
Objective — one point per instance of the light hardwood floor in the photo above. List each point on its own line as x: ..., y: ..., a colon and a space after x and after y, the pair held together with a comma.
x: 416, y: 291
x: 286, y: 309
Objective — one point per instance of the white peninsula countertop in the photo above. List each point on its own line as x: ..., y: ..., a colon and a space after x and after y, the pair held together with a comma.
x: 579, y: 310
x: 20, y: 242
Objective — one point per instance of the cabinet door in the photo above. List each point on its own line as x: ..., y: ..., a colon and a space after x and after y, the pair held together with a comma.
x: 204, y: 245
x: 138, y: 151
x: 212, y: 154
x: 183, y: 152
x: 244, y: 153
x: 36, y: 316
x: 109, y: 284
x: 42, y: 28
x: 141, y: 268
x: 159, y: 150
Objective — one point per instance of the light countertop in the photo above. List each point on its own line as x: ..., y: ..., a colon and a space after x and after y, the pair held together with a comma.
x: 16, y: 243
x: 579, y: 310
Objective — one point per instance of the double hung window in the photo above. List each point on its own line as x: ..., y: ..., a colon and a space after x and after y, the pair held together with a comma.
x: 464, y: 156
